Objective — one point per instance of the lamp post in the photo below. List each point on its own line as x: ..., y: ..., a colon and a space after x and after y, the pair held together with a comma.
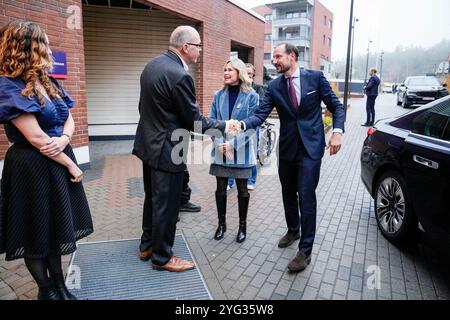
x: 367, y: 61
x: 347, y: 65
x: 353, y: 43
x: 381, y: 66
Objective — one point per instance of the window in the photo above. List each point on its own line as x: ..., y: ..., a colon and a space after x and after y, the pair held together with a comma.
x: 331, y: 24
x: 329, y: 42
x: 324, y: 39
x: 322, y: 68
x: 292, y: 15
x: 268, y: 17
x: 325, y: 20
x: 267, y: 56
x: 432, y: 122
x: 268, y: 36
x: 291, y: 35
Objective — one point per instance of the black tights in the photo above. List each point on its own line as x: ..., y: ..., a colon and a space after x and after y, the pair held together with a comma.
x: 39, y: 268
x: 222, y: 184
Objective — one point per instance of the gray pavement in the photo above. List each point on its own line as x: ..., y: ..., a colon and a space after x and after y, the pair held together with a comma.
x: 348, y: 252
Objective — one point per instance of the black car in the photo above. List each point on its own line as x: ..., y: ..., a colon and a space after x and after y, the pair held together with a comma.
x: 420, y: 90
x: 405, y: 165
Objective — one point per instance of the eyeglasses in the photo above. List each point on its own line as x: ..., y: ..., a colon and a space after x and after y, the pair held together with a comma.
x: 198, y: 45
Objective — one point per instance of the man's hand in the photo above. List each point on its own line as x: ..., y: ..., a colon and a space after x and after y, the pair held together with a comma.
x: 234, y: 127
x: 55, y: 146
x: 335, y: 143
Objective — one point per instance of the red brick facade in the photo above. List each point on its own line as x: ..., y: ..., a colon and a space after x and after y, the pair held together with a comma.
x: 321, y: 28
x: 219, y: 23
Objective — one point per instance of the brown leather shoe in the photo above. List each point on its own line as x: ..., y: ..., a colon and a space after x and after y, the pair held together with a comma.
x: 145, y: 255
x: 175, y: 265
x: 288, y: 239
x: 300, y: 262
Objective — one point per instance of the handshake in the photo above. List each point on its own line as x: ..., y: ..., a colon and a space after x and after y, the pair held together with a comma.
x: 234, y: 127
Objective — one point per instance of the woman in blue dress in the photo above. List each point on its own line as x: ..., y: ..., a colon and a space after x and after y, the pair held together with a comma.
x: 44, y: 208
x: 233, y: 157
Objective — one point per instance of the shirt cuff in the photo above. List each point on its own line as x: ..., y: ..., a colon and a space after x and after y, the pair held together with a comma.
x: 226, y: 127
x: 338, y: 130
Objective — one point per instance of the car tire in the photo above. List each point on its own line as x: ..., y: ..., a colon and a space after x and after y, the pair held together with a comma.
x: 405, y: 102
x: 393, y: 210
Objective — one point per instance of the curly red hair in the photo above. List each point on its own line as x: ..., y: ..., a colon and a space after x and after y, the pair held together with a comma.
x: 25, y: 54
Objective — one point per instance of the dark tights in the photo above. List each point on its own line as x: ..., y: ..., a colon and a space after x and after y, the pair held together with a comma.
x: 222, y: 184
x: 39, y: 268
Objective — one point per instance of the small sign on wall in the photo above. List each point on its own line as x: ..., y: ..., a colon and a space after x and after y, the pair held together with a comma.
x: 59, y: 65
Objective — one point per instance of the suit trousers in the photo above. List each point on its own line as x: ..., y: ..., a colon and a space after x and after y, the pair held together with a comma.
x: 186, y: 192
x: 370, y: 109
x: 161, y: 207
x: 299, y: 179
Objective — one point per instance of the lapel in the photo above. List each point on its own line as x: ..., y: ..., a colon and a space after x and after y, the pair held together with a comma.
x: 238, y: 106
x: 303, y: 81
x: 223, y: 105
x: 285, y: 93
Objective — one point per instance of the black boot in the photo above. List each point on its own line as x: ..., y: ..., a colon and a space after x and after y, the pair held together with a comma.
x: 60, y: 286
x: 243, y: 200
x: 48, y: 292
x: 221, y: 203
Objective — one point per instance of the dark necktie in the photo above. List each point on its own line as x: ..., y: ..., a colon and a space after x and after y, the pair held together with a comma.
x: 293, y: 95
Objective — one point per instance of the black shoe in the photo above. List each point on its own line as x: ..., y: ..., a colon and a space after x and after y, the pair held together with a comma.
x: 220, y: 232
x: 48, y: 293
x: 190, y: 207
x: 365, y: 125
x: 60, y: 286
x: 288, y: 239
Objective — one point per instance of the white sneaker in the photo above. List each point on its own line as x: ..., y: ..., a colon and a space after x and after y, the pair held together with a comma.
x: 228, y: 188
x: 250, y: 186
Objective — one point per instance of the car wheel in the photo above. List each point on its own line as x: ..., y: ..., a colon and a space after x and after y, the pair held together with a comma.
x: 393, y: 210
x: 405, y: 102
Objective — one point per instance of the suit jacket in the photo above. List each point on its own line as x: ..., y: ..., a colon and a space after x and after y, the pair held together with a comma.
x: 372, y: 86
x: 307, y: 124
x: 245, y: 143
x: 167, y: 103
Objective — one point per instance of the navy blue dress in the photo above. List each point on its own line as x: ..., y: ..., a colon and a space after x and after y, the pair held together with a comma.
x: 41, y: 211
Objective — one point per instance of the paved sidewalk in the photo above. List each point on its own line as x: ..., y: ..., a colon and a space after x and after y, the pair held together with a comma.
x: 346, y: 245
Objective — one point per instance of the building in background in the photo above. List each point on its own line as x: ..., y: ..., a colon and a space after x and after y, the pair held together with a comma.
x: 106, y: 44
x: 306, y: 24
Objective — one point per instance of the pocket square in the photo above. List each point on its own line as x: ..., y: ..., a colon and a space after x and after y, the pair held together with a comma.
x: 311, y: 92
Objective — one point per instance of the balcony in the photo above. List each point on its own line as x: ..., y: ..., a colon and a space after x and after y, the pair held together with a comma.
x: 296, y: 41
x: 284, y: 22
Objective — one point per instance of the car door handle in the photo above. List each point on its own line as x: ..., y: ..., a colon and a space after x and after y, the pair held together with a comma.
x: 426, y: 162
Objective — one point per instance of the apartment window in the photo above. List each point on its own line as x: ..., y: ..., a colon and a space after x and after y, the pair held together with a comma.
x: 267, y: 56
x: 268, y: 36
x: 268, y: 17
x: 291, y: 35
x: 331, y: 24
x: 322, y: 68
x: 329, y: 42
x: 325, y: 21
x: 292, y: 15
x: 324, y: 39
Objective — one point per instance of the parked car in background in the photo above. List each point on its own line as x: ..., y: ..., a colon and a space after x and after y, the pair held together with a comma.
x: 387, y: 87
x: 420, y: 90
x: 405, y: 165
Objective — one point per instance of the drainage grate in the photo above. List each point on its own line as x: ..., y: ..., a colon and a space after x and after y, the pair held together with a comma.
x: 112, y: 270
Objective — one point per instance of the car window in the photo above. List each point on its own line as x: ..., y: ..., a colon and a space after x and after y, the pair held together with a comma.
x: 433, y: 121
x: 428, y: 81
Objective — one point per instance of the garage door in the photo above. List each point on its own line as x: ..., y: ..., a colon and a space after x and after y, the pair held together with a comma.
x: 118, y: 43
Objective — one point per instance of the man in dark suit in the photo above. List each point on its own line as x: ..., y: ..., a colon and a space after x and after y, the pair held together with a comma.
x: 371, y: 90
x: 167, y: 104
x: 297, y: 95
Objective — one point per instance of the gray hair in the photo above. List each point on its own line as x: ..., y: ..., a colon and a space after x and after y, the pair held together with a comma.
x: 181, y: 35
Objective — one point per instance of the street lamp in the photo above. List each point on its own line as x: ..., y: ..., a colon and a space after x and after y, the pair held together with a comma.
x: 347, y: 65
x: 367, y: 62
x: 381, y: 65
x: 353, y: 43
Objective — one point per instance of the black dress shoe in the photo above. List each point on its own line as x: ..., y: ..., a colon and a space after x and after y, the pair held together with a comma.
x: 190, y: 207
x: 60, y: 287
x: 48, y: 293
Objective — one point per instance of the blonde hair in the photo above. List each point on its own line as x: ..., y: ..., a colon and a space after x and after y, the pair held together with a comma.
x: 25, y: 54
x: 244, y: 81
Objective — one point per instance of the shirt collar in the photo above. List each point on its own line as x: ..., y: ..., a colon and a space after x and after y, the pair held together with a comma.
x: 185, y: 66
x: 296, y: 74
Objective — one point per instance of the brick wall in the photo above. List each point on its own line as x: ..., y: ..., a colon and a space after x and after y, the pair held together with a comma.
x: 219, y: 23
x: 320, y: 29
x: 263, y: 10
x: 52, y: 16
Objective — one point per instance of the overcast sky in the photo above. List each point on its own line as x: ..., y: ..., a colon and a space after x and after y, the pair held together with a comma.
x: 388, y: 23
